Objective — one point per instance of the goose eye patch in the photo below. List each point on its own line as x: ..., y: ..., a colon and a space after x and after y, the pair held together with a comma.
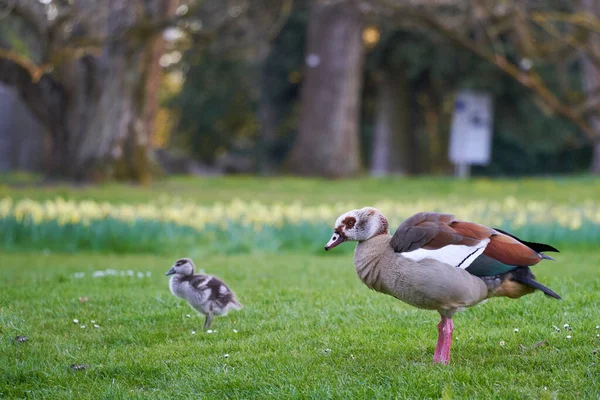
x: 349, y: 222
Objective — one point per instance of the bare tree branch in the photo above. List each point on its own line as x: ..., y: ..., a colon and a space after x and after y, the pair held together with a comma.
x: 284, y: 12
x: 35, y: 71
x: 431, y: 18
x: 528, y: 79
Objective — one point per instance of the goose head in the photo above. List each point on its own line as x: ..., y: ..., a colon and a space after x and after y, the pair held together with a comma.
x: 183, y: 266
x: 358, y: 225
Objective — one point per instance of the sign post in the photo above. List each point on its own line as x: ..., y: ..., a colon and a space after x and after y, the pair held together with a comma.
x: 471, y: 131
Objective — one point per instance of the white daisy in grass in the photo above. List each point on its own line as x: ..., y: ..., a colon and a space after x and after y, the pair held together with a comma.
x: 235, y: 331
x: 516, y: 330
x: 569, y: 336
x: 193, y: 332
x: 75, y: 321
x: 96, y: 326
x: 502, y: 343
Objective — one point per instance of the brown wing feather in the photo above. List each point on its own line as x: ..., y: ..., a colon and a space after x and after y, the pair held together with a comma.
x: 510, y: 251
x: 503, y: 248
x: 472, y: 230
x: 445, y: 236
x: 425, y: 229
x: 430, y: 231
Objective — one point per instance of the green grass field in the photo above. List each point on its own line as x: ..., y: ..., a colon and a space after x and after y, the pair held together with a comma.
x: 314, y: 191
x: 309, y: 328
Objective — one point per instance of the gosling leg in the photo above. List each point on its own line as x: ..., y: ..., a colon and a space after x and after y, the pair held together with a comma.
x: 208, y: 320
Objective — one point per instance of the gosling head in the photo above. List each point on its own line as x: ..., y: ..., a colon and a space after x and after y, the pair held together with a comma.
x: 183, y: 266
x: 358, y: 225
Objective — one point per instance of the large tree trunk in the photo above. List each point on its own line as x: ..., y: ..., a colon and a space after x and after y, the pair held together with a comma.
x: 21, y: 135
x: 266, y: 116
x: 112, y: 134
x: 98, y: 109
x: 154, y: 72
x: 391, y: 139
x: 327, y: 141
x: 591, y: 80
x: 113, y: 124
x: 595, y: 165
x: 48, y: 101
x: 7, y: 106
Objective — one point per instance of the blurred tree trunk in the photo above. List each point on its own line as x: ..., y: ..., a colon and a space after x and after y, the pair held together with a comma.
x: 591, y: 78
x: 154, y: 73
x: 99, y: 108
x: 7, y: 106
x: 113, y: 119
x: 48, y: 101
x: 392, y: 136
x: 327, y: 141
x: 266, y: 116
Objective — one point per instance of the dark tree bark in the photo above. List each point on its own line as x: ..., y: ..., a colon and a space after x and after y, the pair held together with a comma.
x: 47, y: 100
x: 266, y: 116
x: 595, y: 165
x: 327, y: 141
x: 115, y: 118
x: 591, y: 78
x: 98, y: 108
x: 392, y: 145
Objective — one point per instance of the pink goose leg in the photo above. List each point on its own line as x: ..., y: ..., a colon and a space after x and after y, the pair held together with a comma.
x: 442, y: 350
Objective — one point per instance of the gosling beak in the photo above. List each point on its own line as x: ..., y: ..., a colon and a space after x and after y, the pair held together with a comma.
x: 336, y: 239
x: 171, y: 271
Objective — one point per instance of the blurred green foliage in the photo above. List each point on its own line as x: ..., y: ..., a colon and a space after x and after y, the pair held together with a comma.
x: 217, y: 111
x: 221, y: 99
x: 17, y: 35
x: 527, y: 139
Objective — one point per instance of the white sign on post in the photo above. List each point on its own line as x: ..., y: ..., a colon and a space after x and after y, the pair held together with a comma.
x: 471, y: 131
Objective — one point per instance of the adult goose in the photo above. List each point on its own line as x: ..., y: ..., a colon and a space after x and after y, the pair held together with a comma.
x: 437, y: 262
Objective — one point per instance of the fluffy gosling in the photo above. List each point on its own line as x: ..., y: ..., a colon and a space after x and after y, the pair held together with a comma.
x: 205, y: 293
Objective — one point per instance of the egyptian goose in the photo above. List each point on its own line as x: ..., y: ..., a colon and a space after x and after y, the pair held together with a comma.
x: 206, y: 294
x: 437, y: 262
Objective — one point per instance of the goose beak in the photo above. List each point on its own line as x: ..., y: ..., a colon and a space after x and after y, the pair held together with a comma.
x: 171, y: 272
x: 336, y: 239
